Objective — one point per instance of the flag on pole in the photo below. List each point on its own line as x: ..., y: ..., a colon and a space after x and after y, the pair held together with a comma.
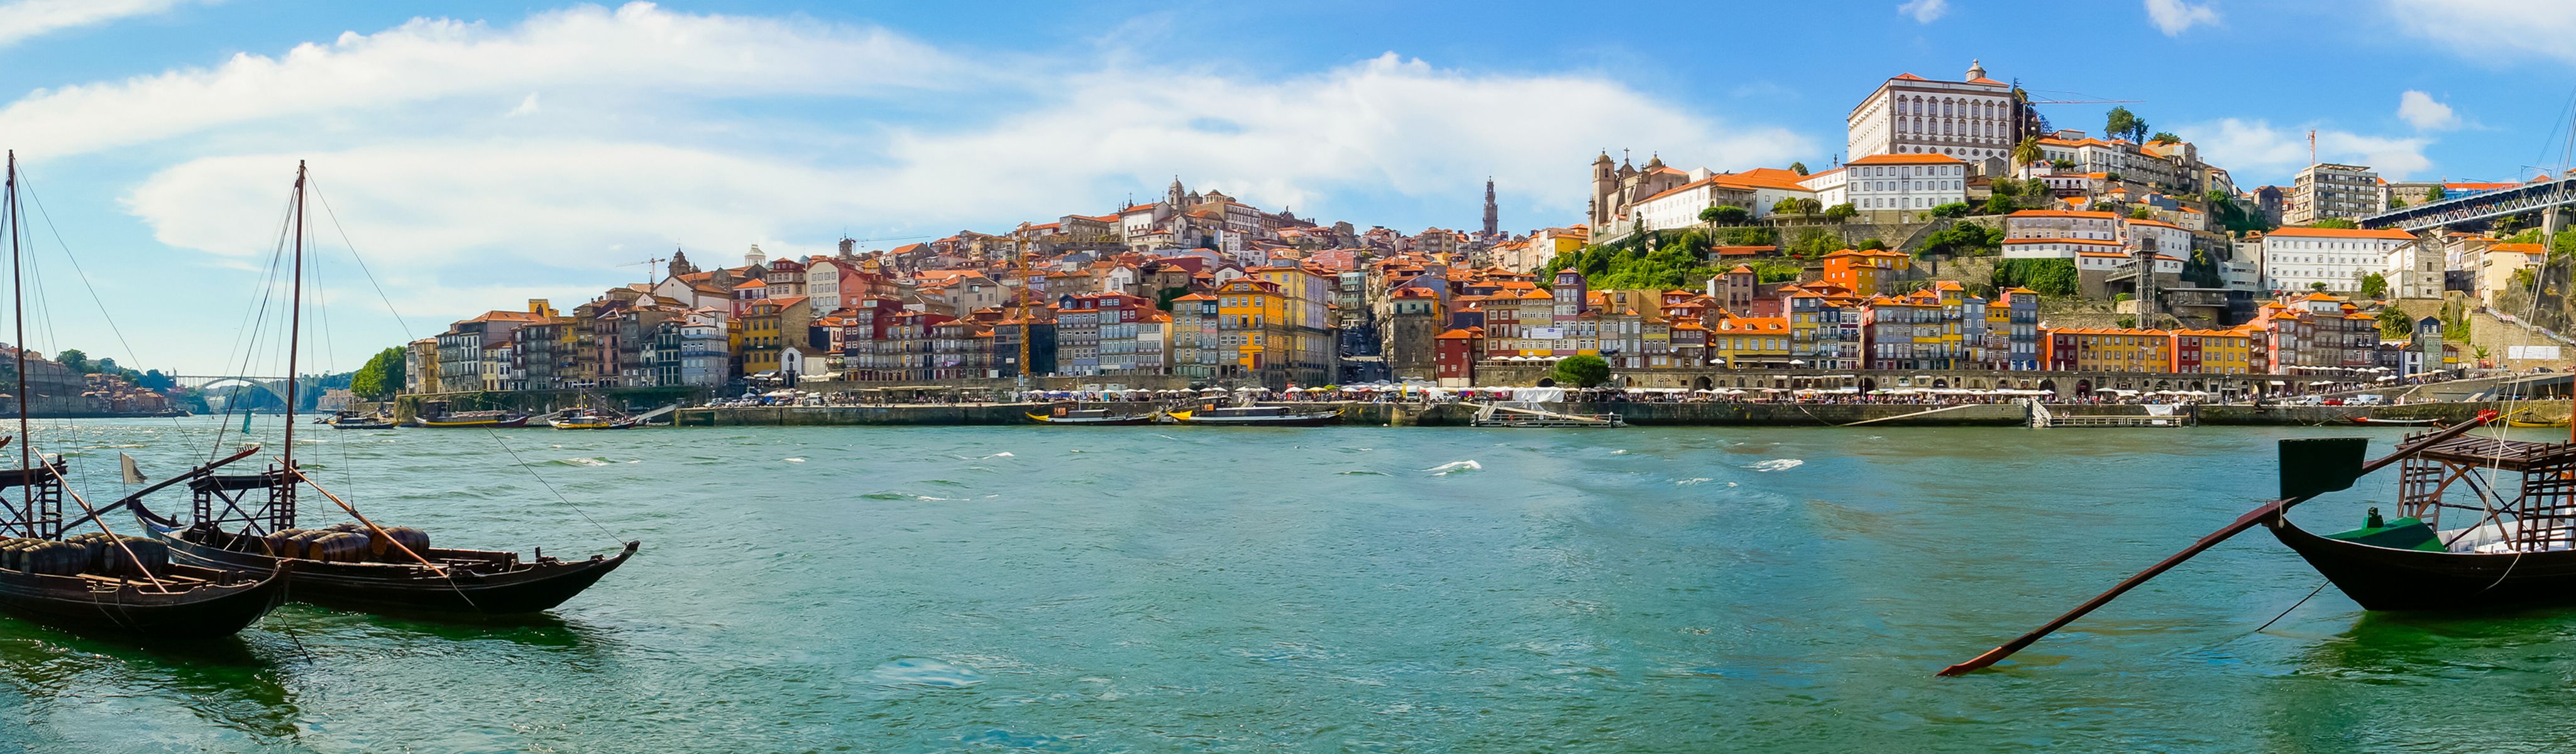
x: 133, y: 473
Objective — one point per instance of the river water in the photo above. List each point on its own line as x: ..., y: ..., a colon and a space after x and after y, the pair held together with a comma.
x: 1157, y: 589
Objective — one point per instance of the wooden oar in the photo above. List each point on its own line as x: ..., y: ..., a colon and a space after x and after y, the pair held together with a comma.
x: 2242, y: 523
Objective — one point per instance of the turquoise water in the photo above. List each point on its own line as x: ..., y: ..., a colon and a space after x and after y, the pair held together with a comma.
x: 1339, y: 589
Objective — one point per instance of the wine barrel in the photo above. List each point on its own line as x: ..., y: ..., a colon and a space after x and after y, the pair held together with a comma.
x: 383, y: 546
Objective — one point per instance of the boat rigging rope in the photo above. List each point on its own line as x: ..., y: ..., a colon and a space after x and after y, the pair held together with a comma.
x: 352, y: 246
x: 2312, y: 593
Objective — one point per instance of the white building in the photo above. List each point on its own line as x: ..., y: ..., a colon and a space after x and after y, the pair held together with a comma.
x: 2414, y: 271
x: 1905, y: 182
x: 2066, y: 234
x: 2297, y: 259
x: 1828, y: 186
x: 1971, y: 119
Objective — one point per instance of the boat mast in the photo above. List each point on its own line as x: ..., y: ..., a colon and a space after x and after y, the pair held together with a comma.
x: 18, y: 315
x: 294, y: 317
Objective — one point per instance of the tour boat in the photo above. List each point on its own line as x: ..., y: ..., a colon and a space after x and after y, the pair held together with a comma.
x: 1266, y: 416
x: 472, y: 419
x: 102, y: 583
x: 1089, y: 416
x: 247, y: 522
x: 355, y: 420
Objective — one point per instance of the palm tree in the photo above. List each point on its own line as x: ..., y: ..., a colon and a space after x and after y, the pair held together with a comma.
x: 2027, y: 152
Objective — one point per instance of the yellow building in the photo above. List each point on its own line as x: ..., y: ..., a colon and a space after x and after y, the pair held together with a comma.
x: 1750, y: 342
x: 758, y: 339
x: 2111, y: 350
x: 2214, y: 351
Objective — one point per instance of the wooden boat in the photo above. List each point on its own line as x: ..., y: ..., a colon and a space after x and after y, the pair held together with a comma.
x: 473, y: 419
x: 594, y: 419
x: 2519, y: 549
x: 484, y: 582
x: 112, y: 586
x: 2536, y: 424
x: 2406, y: 422
x: 248, y: 522
x: 1089, y: 416
x: 1260, y: 416
x: 2518, y: 546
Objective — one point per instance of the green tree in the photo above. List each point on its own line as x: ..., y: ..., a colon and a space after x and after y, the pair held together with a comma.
x: 2118, y: 121
x: 155, y: 380
x: 1811, y: 205
x: 2142, y: 212
x: 2000, y: 203
x: 2105, y: 205
x: 2433, y: 194
x: 2318, y: 287
x: 1798, y: 167
x: 2047, y: 277
x: 2165, y: 137
x: 1963, y: 240
x: 2335, y: 222
x: 1725, y: 214
x: 2394, y: 324
x: 1952, y: 209
x: 1872, y: 243
x: 2111, y: 177
x: 2374, y: 285
x: 1581, y: 370
x: 2062, y: 164
x: 2395, y: 201
x: 73, y: 359
x: 1788, y: 205
x: 2563, y: 244
x: 1841, y: 212
x: 380, y: 377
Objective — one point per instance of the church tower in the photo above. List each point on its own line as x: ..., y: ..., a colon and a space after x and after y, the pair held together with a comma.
x: 1490, y: 217
x: 1602, y: 182
x: 680, y: 264
x: 1172, y: 196
x: 1976, y: 70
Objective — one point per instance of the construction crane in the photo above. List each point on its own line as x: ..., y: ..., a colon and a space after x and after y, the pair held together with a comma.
x: 656, y: 262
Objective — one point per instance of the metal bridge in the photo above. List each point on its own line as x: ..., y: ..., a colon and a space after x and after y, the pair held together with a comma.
x: 2550, y: 199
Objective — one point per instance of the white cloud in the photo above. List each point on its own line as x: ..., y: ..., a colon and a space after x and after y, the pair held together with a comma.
x: 2491, y: 30
x: 454, y: 208
x: 2256, y: 148
x: 27, y: 19
x: 526, y: 106
x: 639, y: 49
x: 2174, y: 16
x: 2421, y: 111
x: 1924, y: 11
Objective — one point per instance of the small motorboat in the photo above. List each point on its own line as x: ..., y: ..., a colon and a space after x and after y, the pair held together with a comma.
x: 355, y: 420
x: 594, y: 419
x: 2399, y: 422
x: 1089, y: 416
x: 1262, y: 416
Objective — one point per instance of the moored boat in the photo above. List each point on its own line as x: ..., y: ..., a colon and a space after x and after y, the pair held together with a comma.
x: 1089, y: 416
x: 473, y: 419
x: 2514, y: 550
x: 2399, y: 422
x: 101, y: 582
x: 1266, y: 416
x: 594, y: 419
x: 355, y: 420
x: 248, y: 522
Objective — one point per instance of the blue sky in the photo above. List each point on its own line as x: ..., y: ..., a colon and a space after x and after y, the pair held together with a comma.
x: 481, y: 153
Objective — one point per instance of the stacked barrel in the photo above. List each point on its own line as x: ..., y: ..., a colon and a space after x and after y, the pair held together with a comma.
x: 347, y: 543
x: 94, y: 553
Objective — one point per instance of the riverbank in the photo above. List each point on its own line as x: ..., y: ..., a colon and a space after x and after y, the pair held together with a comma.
x: 1711, y: 414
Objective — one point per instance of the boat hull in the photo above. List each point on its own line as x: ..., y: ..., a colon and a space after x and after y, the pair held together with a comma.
x: 493, y: 587
x: 1088, y: 421
x: 199, y: 613
x: 472, y: 423
x: 2382, y: 578
x: 1265, y: 421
